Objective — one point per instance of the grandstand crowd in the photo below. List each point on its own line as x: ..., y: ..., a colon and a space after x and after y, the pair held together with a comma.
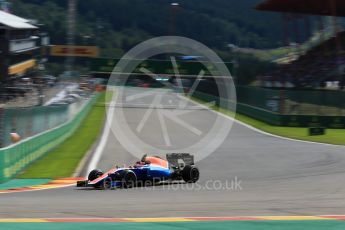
x: 323, y: 66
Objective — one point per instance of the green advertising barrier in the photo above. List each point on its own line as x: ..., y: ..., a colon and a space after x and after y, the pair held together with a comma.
x: 291, y: 101
x: 317, y: 97
x: 258, y: 97
x: 273, y: 118
x: 334, y: 122
x: 14, y: 159
x: 259, y: 114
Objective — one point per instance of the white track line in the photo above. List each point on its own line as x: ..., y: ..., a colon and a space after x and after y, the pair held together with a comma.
x: 96, y: 156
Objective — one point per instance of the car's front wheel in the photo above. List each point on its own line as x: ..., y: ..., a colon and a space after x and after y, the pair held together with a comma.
x: 94, y: 174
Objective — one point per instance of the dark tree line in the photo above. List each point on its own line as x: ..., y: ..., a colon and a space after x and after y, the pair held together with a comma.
x: 120, y: 24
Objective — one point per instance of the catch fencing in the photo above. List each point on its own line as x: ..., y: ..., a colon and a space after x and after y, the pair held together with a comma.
x: 15, y: 158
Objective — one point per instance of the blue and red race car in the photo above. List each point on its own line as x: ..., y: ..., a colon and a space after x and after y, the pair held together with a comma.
x: 150, y: 170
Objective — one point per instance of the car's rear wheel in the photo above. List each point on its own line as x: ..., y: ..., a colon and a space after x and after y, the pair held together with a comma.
x: 94, y: 174
x: 129, y: 179
x: 190, y: 174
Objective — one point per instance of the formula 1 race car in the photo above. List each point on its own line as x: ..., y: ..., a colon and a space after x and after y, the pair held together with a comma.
x: 150, y: 170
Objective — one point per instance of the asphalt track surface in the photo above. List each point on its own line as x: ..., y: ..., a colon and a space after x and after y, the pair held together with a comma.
x: 275, y: 177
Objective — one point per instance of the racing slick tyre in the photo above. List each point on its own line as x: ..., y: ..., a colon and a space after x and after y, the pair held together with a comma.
x: 190, y: 174
x: 129, y: 179
x: 94, y: 174
x: 107, y: 184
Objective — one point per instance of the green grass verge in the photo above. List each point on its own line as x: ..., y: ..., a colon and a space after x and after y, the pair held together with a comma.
x: 332, y: 136
x: 63, y: 160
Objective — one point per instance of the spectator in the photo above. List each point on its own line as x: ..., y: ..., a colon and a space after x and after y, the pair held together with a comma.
x: 15, y: 137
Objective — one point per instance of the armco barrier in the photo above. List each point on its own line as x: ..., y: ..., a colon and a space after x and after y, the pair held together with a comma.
x: 294, y: 102
x: 259, y: 114
x: 273, y: 118
x: 15, y: 158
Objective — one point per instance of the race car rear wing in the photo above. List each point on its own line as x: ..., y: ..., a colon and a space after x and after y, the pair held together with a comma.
x: 173, y: 158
